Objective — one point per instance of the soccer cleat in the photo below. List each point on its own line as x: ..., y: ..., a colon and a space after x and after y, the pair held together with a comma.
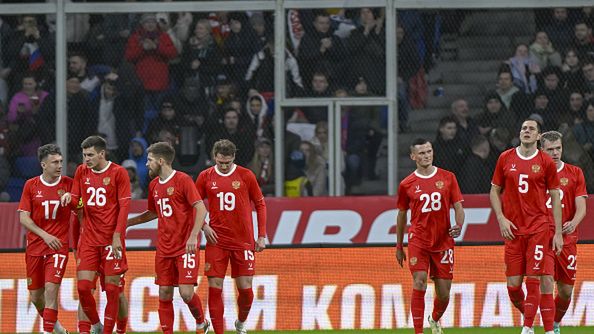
x: 240, y: 327
x: 435, y: 326
x: 97, y: 328
x: 556, y: 328
x: 59, y: 329
x: 205, y: 328
x: 527, y: 330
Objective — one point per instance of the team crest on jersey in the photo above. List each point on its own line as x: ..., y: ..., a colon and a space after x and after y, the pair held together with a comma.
x: 235, y: 184
x: 535, y: 168
x: 106, y: 181
x: 439, y: 184
x: 206, y: 266
x: 413, y: 261
x: 170, y: 191
x: 60, y: 192
x: 564, y: 181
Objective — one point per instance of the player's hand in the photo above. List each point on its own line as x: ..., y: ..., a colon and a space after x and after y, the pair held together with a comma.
x: 400, y: 256
x: 260, y: 244
x: 52, y: 242
x: 210, y: 234
x: 455, y: 231
x: 65, y: 199
x: 557, y: 243
x: 116, y: 246
x: 191, y: 244
x: 569, y: 227
x: 506, y: 227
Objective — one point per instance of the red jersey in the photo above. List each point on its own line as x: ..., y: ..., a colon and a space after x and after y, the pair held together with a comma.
x: 42, y: 201
x: 524, y: 182
x: 173, y: 201
x: 229, y: 196
x: 573, y: 185
x: 429, y: 199
x: 105, y: 198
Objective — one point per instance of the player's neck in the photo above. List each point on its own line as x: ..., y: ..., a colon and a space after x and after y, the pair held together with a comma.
x: 559, y: 164
x: 49, y: 179
x: 165, y: 172
x: 426, y: 171
x: 101, y: 165
x: 527, y: 150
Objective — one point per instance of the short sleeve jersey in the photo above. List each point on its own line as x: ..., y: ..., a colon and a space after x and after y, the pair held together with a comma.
x: 525, y: 182
x: 229, y: 205
x: 42, y: 201
x: 101, y: 192
x: 573, y: 185
x: 173, y: 201
x: 429, y: 199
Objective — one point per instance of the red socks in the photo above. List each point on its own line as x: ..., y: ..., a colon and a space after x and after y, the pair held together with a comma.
x: 50, y: 316
x: 195, y: 306
x: 166, y: 315
x: 215, y: 306
x: 111, y: 309
x: 87, y: 301
x: 417, y: 308
x: 532, y: 300
x: 561, y: 306
x: 84, y: 327
x: 439, y: 307
x: 516, y: 295
x: 547, y: 311
x: 244, y: 303
x: 121, y: 325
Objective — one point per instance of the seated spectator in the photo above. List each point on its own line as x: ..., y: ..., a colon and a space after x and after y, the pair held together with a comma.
x: 495, y: 115
x: 524, y: 69
x: 315, y: 170
x: 258, y: 24
x: 262, y: 165
x: 560, y: 29
x: 499, y: 139
x: 584, y: 132
x: 573, y: 78
x: 89, y: 81
x: 201, y: 57
x: 543, y: 51
x: 238, y: 47
x: 137, y: 153
x: 167, y: 119
x: 466, y: 126
x: 512, y: 97
x: 588, y: 71
x: 320, y: 87
x: 448, y: 152
x: 583, y: 43
x: 576, y: 110
x: 409, y: 64
x: 137, y: 192
x: 191, y: 103
x: 242, y: 136
x: 82, y: 117
x: 223, y: 94
x: 477, y: 168
x: 24, y: 116
x: 106, y: 41
x: 558, y: 96
x: 320, y: 139
x: 106, y: 124
x: 257, y: 111
x: 543, y: 111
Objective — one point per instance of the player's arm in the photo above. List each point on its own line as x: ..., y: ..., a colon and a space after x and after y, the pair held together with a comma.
x: 258, y: 198
x: 556, y: 203
x: 459, y: 217
x: 123, y: 197
x: 141, y: 218
x: 400, y: 224
x: 505, y: 226
x: 580, y: 214
x: 25, y: 219
x: 200, y: 215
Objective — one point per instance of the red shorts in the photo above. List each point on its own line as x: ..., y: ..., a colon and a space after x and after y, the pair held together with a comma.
x: 437, y: 264
x: 566, y: 264
x: 49, y: 268
x: 243, y: 262
x: 93, y: 258
x: 173, y: 271
x: 529, y: 255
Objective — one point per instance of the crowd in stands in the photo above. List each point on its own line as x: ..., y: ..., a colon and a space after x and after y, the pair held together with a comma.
x: 550, y: 80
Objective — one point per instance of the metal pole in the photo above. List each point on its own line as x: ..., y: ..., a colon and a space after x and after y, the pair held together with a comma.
x: 392, y: 95
x: 279, y: 97
x: 61, y: 108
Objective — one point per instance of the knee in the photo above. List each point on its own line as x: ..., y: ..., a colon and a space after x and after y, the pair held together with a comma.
x: 36, y: 297
x: 547, y: 284
x: 420, y: 283
x: 186, y: 295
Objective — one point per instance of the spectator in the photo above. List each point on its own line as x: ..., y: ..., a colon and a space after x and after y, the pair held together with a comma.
x: 167, y: 119
x: 137, y: 153
x: 89, y: 81
x: 583, y: 40
x: 242, y: 136
x: 573, y: 77
x: 82, y: 117
x: 24, y: 113
x: 106, y: 41
x: 257, y: 110
x: 5, y: 35
x: 224, y: 93
x: 560, y: 29
x: 239, y: 47
x: 543, y: 51
x: 201, y: 57
x: 588, y: 70
x: 576, y: 110
x: 258, y: 23
x: 477, y: 168
x: 542, y: 108
x: 499, y: 139
x: 176, y: 35
x: 466, y: 126
x: 315, y: 169
x: 558, y: 96
x: 512, y: 97
x: 448, y: 152
x: 524, y: 69
x: 191, y: 103
x: 495, y: 115
x: 137, y: 192
x: 320, y: 139
x: 262, y: 165
x: 106, y: 124
x: 408, y: 66
x: 150, y: 50
x: 584, y: 132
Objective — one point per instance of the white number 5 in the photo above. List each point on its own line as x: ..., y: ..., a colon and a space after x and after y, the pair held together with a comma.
x: 523, y: 183
x: 538, y: 254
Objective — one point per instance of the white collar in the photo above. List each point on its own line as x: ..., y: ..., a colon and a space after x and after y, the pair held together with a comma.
x: 230, y: 172
x: 103, y: 170
x: 168, y: 178
x: 50, y: 184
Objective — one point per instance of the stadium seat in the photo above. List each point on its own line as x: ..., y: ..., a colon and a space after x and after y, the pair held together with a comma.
x: 14, y: 188
x: 27, y: 167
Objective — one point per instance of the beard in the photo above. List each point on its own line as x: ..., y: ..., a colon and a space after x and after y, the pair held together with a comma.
x: 155, y: 173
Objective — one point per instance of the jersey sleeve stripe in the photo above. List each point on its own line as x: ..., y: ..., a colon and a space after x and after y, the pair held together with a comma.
x: 129, y: 197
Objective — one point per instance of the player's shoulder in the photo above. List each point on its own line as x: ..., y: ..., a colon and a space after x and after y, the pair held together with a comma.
x: 207, y: 172
x: 32, y: 182
x: 509, y: 152
x: 66, y: 180
x: 244, y: 172
x: 410, y: 178
x: 573, y: 169
x: 114, y: 167
x: 183, y: 177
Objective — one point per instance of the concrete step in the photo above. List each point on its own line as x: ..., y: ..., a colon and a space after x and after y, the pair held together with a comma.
x: 527, y: 39
x: 465, y: 77
x: 427, y: 114
x: 468, y: 66
x: 404, y: 139
x: 491, y: 53
x: 479, y: 41
x: 458, y: 89
x: 446, y: 100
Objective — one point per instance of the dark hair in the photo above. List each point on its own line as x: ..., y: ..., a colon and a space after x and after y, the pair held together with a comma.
x: 418, y: 141
x: 538, y: 125
x: 96, y: 142
x: 445, y: 120
x: 78, y: 54
x: 46, y: 150
x: 477, y: 141
x: 550, y: 136
x: 224, y: 147
x: 162, y: 150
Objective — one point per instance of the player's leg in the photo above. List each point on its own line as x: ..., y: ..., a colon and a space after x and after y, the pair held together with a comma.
x: 243, y: 267
x: 113, y: 269
x: 36, y: 281
x: 122, y: 322
x: 565, y: 274
x: 89, y: 258
x: 418, y: 263
x: 166, y: 314
x: 515, y: 264
x: 562, y: 301
x: 186, y: 271
x: 537, y: 248
x: 547, y: 287
x: 54, y: 268
x: 215, y: 268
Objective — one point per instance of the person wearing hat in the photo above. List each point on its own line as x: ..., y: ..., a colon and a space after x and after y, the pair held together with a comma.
x: 262, y: 165
x: 130, y: 165
x: 167, y: 118
x: 495, y: 115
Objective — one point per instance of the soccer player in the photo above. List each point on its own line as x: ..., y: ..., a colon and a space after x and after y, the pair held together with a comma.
x: 428, y: 192
x: 105, y: 191
x: 522, y: 177
x: 229, y: 189
x: 47, y: 223
x: 181, y: 212
x: 573, y: 206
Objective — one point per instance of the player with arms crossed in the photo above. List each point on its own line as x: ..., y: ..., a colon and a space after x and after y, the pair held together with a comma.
x: 522, y: 177
x: 230, y: 189
x: 47, y: 223
x: 573, y: 206
x: 174, y: 200
x: 428, y: 192
x: 105, y: 191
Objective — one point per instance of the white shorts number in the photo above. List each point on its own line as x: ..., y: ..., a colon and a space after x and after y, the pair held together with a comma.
x: 59, y: 260
x: 189, y: 260
x: 572, y: 262
x: 249, y: 255
x: 109, y: 253
x: 538, y: 254
x: 448, y: 256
